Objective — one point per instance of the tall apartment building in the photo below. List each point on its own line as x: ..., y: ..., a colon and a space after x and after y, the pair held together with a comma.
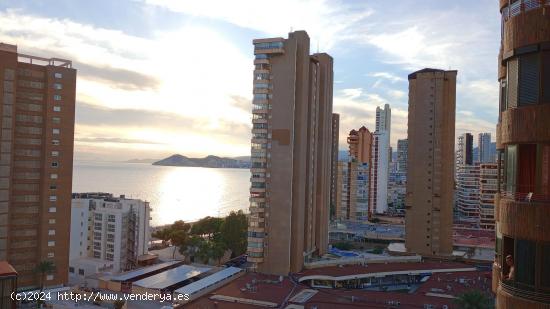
x: 430, y: 185
x: 36, y: 163
x: 465, y: 151
x: 488, y: 185
x: 523, y: 143
x: 467, y: 194
x: 334, y: 157
x: 353, y: 189
x: 378, y: 197
x: 402, y: 148
x: 291, y: 154
x: 484, y: 146
x: 360, y: 145
x: 107, y: 230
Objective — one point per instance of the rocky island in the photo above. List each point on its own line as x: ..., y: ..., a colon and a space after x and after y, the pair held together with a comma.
x: 208, y: 161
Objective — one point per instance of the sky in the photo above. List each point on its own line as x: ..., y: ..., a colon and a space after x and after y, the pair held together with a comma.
x: 158, y: 77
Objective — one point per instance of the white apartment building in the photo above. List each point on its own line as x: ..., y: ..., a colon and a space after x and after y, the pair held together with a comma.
x: 467, y: 194
x: 380, y: 161
x: 107, y: 232
x: 488, y: 187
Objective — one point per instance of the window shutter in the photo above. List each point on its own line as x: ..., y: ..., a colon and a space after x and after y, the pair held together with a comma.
x: 529, y: 74
x: 513, y: 83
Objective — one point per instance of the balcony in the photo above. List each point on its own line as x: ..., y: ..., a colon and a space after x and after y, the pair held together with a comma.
x: 524, y: 24
x: 524, y: 215
x: 510, y: 295
x: 526, y: 124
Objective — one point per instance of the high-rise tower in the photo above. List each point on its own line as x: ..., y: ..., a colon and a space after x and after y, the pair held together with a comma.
x: 521, y: 273
x: 380, y: 167
x: 431, y: 135
x: 291, y: 154
x: 37, y: 96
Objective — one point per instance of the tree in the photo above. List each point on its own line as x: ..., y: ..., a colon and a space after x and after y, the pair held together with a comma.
x: 233, y: 233
x: 208, y: 227
x: 44, y: 268
x: 473, y: 299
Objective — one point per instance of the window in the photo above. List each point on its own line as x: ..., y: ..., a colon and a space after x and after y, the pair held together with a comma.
x: 111, y: 218
x: 71, y: 269
x: 58, y: 75
x: 511, y: 160
x: 51, y: 243
x: 57, y: 108
x: 525, y: 261
x: 98, y: 217
x: 51, y: 221
x: 545, y: 265
x: 57, y: 97
x: 51, y: 232
x: 53, y: 198
x: 55, y: 164
x: 57, y: 86
x: 55, y: 142
x: 52, y: 209
x: 56, y: 120
x: 512, y: 83
x: 55, y: 131
x: 49, y: 277
x: 55, y: 153
x: 528, y: 79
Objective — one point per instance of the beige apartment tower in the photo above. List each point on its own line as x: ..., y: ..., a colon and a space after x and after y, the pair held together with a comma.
x: 291, y: 154
x: 360, y: 145
x: 334, y: 165
x: 36, y: 163
x: 430, y: 171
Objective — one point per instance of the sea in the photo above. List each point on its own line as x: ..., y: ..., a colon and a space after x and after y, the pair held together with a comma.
x: 174, y: 193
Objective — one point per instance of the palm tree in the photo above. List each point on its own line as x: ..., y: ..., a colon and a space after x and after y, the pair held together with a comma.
x: 473, y: 299
x: 44, y: 267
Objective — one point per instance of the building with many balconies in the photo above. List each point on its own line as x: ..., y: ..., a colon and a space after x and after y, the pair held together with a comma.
x: 37, y: 106
x: 521, y: 272
x: 291, y: 154
x: 107, y: 233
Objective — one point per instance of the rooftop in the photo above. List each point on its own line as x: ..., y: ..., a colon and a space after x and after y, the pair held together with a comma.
x: 438, y: 289
x: 6, y: 269
x: 142, y: 271
x: 171, y: 277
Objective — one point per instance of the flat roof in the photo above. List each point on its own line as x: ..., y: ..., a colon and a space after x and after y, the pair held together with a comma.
x: 171, y: 277
x: 208, y: 281
x: 142, y: 271
x: 438, y: 290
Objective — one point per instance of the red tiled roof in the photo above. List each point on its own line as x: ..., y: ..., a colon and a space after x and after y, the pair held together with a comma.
x: 442, y: 283
x: 6, y: 269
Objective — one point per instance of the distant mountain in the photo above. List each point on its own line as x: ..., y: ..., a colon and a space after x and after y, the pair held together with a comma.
x: 209, y: 161
x: 141, y: 161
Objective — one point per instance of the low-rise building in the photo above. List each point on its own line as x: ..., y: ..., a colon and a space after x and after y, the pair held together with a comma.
x: 107, y: 232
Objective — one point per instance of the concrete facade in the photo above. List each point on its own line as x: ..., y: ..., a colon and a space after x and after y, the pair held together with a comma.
x: 334, y: 157
x: 291, y: 154
x: 430, y: 176
x: 110, y: 230
x: 353, y: 190
x: 37, y: 96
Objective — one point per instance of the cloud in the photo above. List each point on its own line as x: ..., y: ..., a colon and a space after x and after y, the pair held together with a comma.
x: 116, y: 140
x: 327, y: 22
x: 387, y: 75
x: 117, y: 78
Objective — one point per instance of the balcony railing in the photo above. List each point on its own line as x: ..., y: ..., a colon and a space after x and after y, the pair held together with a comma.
x: 529, y: 197
x: 520, y: 6
x: 520, y: 290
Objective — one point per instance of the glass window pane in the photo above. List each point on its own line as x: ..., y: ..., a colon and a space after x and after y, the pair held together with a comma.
x: 511, y: 160
x: 525, y: 262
